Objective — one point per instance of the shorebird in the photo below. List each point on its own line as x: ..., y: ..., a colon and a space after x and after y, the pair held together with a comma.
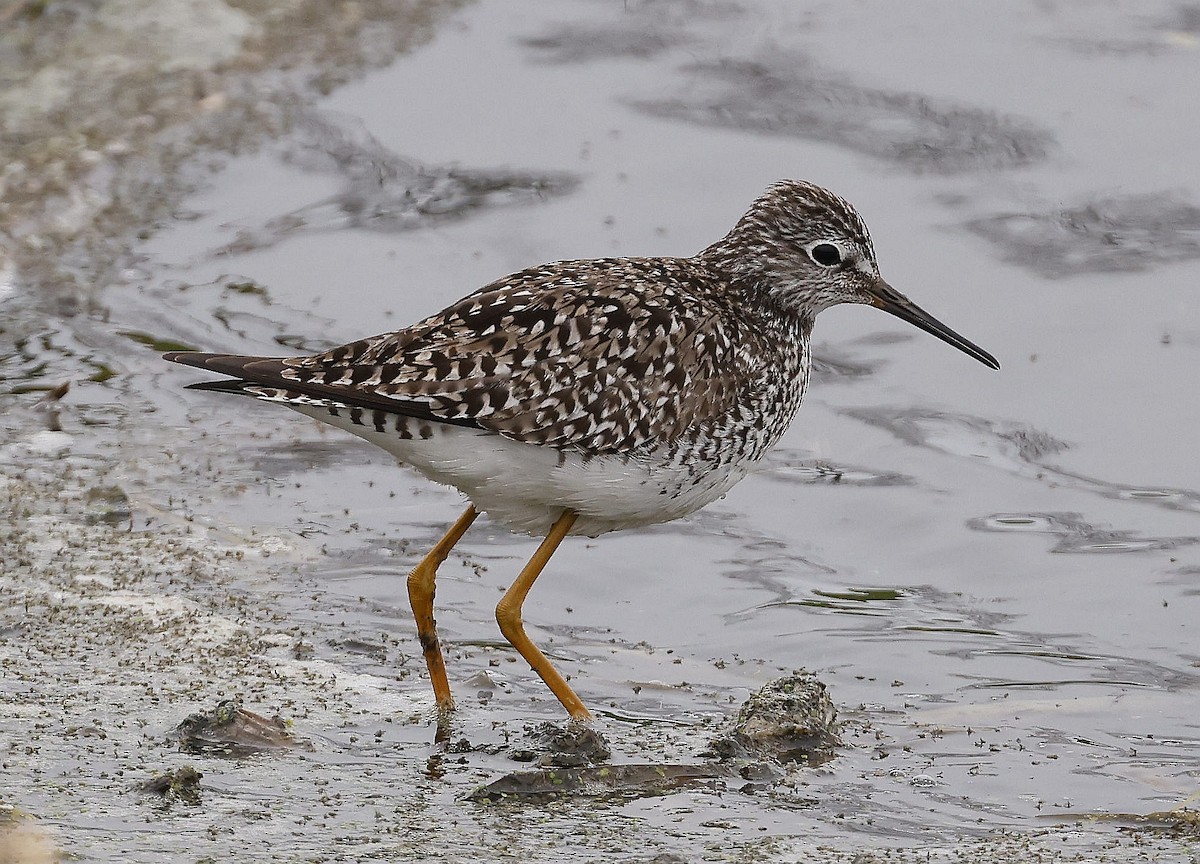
x: 582, y: 397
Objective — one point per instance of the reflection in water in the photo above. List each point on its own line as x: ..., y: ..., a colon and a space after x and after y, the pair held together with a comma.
x: 1110, y: 235
x: 1075, y: 534
x: 788, y: 466
x: 955, y: 627
x: 581, y: 43
x: 783, y: 93
x: 830, y: 364
x: 1012, y: 447
x: 849, y: 601
x: 382, y: 191
x: 1076, y: 667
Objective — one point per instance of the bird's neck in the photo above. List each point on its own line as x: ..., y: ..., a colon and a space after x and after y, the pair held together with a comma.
x: 738, y: 256
x: 754, y: 268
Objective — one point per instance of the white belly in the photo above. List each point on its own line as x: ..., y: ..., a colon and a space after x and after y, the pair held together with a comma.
x: 526, y: 487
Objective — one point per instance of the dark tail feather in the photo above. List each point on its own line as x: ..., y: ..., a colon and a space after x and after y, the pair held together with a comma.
x: 264, y: 378
x: 225, y: 364
x: 226, y: 385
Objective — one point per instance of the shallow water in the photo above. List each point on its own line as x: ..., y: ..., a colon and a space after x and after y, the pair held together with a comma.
x: 994, y: 572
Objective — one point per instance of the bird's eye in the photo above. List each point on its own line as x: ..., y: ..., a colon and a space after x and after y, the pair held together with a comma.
x: 826, y: 254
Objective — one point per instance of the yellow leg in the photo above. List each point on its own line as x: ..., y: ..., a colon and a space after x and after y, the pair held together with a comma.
x: 420, y: 595
x: 508, y: 616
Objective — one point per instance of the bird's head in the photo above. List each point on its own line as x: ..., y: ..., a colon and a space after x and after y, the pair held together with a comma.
x: 811, y: 250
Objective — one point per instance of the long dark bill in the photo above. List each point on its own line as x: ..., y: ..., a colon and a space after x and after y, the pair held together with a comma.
x: 887, y: 298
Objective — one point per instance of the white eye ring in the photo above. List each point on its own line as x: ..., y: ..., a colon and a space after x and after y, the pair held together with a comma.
x: 826, y: 254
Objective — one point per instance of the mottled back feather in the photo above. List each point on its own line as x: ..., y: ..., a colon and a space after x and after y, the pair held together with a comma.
x: 603, y: 356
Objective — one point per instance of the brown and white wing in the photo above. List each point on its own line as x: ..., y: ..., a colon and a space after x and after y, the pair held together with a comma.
x: 596, y: 356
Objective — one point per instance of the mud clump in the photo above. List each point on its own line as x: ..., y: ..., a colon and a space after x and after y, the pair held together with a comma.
x: 789, y: 724
x: 570, y: 745
x: 230, y: 730
x: 182, y: 785
x: 791, y: 719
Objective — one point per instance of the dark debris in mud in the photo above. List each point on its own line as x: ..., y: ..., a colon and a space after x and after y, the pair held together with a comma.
x: 561, y: 745
x: 789, y: 723
x: 1117, y: 234
x: 48, y: 406
x: 230, y: 730
x: 108, y: 504
x: 37, y: 356
x: 1181, y: 824
x: 181, y: 785
x: 597, y: 781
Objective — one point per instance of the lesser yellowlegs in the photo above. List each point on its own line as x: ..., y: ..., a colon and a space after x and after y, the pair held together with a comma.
x: 582, y: 397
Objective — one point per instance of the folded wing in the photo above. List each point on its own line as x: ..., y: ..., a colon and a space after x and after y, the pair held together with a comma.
x: 593, y: 355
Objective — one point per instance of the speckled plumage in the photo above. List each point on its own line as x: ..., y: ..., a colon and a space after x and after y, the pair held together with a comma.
x: 631, y: 390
